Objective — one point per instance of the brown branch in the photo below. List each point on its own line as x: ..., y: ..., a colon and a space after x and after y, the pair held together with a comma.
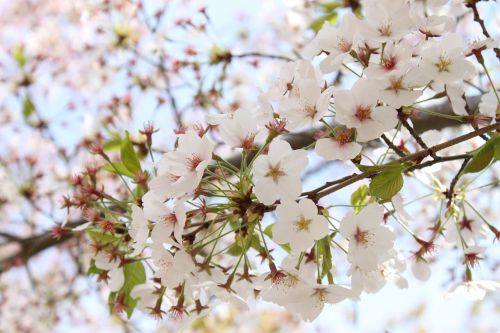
x: 33, y: 245
x: 418, y: 156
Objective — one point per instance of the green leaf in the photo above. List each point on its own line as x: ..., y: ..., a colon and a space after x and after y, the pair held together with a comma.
x: 496, y: 154
x: 482, y: 157
x: 318, y: 23
x: 386, y: 184
x: 134, y: 274
x: 119, y: 168
x: 326, y: 254
x: 359, y: 198
x: 99, y: 236
x: 129, y: 156
x: 331, y: 6
x: 93, y: 268
x: 28, y: 107
x: 19, y: 56
x: 113, y: 144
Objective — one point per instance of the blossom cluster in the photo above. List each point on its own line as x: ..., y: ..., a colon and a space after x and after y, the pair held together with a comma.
x: 198, y: 221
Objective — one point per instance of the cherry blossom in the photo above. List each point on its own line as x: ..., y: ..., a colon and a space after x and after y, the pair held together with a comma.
x: 308, y: 107
x: 444, y: 61
x: 277, y: 174
x: 339, y: 147
x: 368, y: 238
x: 181, y: 170
x: 357, y: 108
x: 336, y: 42
x: 114, y: 268
x: 167, y: 220
x: 299, y: 224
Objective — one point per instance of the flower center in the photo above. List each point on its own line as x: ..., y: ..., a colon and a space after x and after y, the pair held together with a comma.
x: 396, y: 84
x: 193, y: 162
x: 389, y: 63
x: 275, y: 172
x: 169, y: 218
x: 302, y: 224
x: 343, y: 136
x: 321, y: 294
x: 310, y: 110
x: 362, y: 237
x: 385, y: 30
x: 343, y: 45
x: 363, y: 112
x: 443, y: 64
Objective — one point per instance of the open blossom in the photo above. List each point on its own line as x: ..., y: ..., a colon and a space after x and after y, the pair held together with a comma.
x: 240, y: 130
x: 473, y: 290
x: 443, y: 61
x: 386, y: 20
x: 180, y: 171
x: 139, y: 230
x: 336, y: 42
x: 290, y: 74
x: 420, y: 269
x: 312, y: 299
x: 357, y: 108
x: 338, y: 147
x: 489, y: 104
x: 372, y: 281
x: 299, y: 224
x: 167, y: 220
x: 307, y: 107
x: 396, y: 59
x: 277, y: 174
x: 368, y: 239
x: 115, y: 271
x: 398, y: 89
x: 172, y: 269
x: 146, y: 296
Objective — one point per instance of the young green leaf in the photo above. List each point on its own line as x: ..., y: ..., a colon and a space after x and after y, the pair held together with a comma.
x: 129, y: 156
x: 386, y: 184
x: 359, y: 198
x: 120, y: 168
x: 482, y: 157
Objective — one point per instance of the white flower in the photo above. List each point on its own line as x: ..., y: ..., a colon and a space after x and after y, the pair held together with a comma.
x: 473, y: 290
x: 139, y: 230
x: 277, y: 174
x: 311, y: 299
x: 180, y: 171
x: 368, y: 239
x: 307, y: 106
x: 167, y: 220
x: 489, y: 104
x: 115, y: 271
x: 430, y: 25
x: 398, y: 89
x: 340, y: 147
x: 386, y: 20
x: 336, y: 42
x: 396, y: 59
x: 299, y: 224
x: 398, y: 203
x: 455, y: 91
x: 290, y: 74
x: 356, y: 108
x: 372, y: 281
x: 172, y: 270
x: 420, y: 269
x: 240, y: 130
x: 146, y: 295
x: 444, y: 61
